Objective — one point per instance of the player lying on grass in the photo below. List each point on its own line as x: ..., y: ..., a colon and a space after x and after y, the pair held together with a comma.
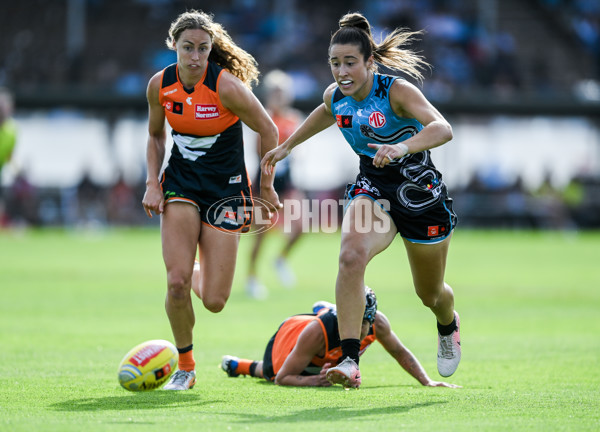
x: 305, y: 346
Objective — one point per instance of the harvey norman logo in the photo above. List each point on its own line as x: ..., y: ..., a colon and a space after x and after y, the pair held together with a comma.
x: 204, y: 112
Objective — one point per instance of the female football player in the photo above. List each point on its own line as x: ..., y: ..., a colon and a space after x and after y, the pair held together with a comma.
x: 305, y: 346
x: 392, y: 127
x: 203, y: 195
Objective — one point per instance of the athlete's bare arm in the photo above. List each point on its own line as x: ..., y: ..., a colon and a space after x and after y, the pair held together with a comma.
x: 318, y: 120
x: 311, y: 342
x: 238, y: 98
x: 153, y: 200
x: 408, y: 101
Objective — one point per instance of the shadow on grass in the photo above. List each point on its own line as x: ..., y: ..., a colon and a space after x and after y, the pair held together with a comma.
x: 331, y: 414
x: 338, y: 388
x: 133, y: 401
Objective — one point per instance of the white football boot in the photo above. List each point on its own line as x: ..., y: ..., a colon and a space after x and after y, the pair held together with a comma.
x: 285, y: 273
x: 229, y: 364
x: 322, y: 304
x: 256, y: 290
x: 346, y: 374
x: 181, y: 380
x: 449, y: 351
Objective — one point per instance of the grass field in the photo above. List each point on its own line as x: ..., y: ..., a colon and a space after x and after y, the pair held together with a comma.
x: 73, y: 303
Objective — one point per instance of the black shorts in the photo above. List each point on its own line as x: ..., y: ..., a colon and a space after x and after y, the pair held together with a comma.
x: 268, y: 372
x: 421, y: 213
x: 231, y: 212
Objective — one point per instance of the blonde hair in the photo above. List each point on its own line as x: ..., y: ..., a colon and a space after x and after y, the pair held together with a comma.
x: 279, y: 80
x: 224, y: 50
x: 356, y: 30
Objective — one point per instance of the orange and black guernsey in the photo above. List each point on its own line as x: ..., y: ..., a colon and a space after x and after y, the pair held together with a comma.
x: 283, y: 342
x: 207, y: 158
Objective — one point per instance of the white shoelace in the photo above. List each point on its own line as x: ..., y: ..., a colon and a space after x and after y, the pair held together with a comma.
x: 447, y: 346
x: 180, y: 377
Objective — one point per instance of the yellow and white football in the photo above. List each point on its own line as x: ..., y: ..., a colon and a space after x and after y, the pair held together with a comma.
x: 148, y: 365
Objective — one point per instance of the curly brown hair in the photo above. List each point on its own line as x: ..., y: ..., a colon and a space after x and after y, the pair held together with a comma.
x: 224, y: 50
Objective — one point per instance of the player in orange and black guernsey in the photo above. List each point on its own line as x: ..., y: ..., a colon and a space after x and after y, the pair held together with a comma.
x: 306, y: 346
x: 203, y: 195
x: 278, y: 99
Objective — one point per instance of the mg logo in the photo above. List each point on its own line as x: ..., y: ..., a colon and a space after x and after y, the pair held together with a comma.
x: 377, y: 119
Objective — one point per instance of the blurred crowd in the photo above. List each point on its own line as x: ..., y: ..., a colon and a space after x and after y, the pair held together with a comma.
x: 474, y: 46
x: 85, y: 205
x: 481, y: 203
x: 582, y: 17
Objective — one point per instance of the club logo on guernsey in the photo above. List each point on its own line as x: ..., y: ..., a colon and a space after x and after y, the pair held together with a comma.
x: 344, y: 121
x: 174, y: 107
x: 377, y: 120
x: 204, y: 112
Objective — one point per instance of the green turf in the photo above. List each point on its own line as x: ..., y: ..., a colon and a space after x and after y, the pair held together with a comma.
x: 73, y: 303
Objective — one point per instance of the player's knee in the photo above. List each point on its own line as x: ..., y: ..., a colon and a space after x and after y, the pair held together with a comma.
x: 178, y: 288
x: 214, y: 305
x: 353, y: 259
x: 429, y: 299
x: 434, y: 295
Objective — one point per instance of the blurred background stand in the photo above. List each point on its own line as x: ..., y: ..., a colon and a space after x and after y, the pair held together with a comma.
x: 518, y: 80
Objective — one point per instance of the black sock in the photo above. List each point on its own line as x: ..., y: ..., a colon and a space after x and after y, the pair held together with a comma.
x: 446, y: 330
x: 186, y: 349
x: 350, y: 348
x: 253, y: 368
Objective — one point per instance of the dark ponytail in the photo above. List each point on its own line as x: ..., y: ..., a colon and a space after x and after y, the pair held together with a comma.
x: 356, y: 30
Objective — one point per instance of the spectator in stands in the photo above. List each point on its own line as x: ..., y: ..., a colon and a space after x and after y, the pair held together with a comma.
x: 8, y: 127
x: 8, y: 138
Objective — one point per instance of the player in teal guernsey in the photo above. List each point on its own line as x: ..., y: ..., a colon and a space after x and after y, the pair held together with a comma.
x: 390, y: 124
x: 371, y: 119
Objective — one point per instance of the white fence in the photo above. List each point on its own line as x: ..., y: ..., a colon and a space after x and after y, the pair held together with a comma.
x: 57, y: 150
